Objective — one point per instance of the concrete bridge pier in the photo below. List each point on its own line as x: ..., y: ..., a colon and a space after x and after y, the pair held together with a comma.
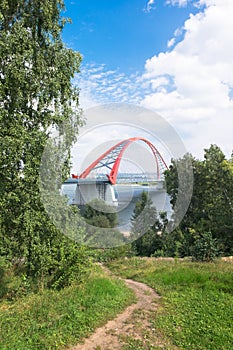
x: 82, y: 191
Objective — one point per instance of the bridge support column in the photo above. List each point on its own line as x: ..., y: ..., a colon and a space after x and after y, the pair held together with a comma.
x: 83, y: 191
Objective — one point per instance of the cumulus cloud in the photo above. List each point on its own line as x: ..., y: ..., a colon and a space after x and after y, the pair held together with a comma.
x: 191, y: 84
x: 201, y: 66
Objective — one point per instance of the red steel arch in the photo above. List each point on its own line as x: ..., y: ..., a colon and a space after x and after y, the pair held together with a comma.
x: 114, y: 155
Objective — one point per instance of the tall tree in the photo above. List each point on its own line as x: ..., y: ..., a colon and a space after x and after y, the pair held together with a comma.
x: 146, y: 227
x: 36, y: 95
x: 210, y: 209
x: 218, y: 197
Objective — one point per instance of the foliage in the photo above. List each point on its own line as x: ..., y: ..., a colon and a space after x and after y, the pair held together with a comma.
x: 100, y: 214
x: 3, y: 277
x: 110, y: 254
x: 146, y: 227
x: 195, y: 309
x: 156, y: 241
x: 104, y: 238
x: 172, y: 243
x: 58, y: 319
x: 144, y: 215
x: 101, y: 220
x: 210, y: 209
x: 36, y: 96
x: 205, y: 248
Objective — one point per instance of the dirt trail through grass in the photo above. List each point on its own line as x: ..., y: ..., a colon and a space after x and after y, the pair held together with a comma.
x: 131, y: 323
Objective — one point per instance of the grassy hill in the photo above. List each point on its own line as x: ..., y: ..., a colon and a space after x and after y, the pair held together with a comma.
x: 195, y: 309
x: 57, y: 319
x: 196, y: 305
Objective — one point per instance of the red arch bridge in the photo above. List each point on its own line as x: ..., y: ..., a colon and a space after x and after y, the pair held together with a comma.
x: 86, y: 187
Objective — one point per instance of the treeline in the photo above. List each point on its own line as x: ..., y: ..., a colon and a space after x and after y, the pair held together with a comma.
x: 206, y: 230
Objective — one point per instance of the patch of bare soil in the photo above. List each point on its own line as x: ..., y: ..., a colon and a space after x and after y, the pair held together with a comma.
x: 133, y: 322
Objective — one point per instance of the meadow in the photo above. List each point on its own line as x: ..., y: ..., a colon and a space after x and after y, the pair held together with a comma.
x: 195, y: 308
x: 196, y: 305
x: 58, y: 319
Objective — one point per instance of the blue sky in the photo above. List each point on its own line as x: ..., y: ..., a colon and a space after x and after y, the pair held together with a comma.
x: 122, y: 34
x: 173, y: 57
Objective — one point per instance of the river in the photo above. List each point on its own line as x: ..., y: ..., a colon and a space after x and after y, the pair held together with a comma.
x: 128, y: 195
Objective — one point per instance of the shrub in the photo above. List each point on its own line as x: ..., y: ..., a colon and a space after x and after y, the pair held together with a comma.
x: 111, y: 254
x: 205, y: 248
x: 3, y: 277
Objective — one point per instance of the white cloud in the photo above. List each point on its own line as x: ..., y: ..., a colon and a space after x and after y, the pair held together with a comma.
x: 201, y: 67
x: 180, y: 3
x: 99, y: 85
x: 183, y: 3
x: 190, y: 85
x: 150, y: 5
x: 159, y: 83
x: 171, y: 42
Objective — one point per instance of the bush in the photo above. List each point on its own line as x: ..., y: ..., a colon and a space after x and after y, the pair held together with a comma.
x: 111, y: 254
x: 205, y: 248
x: 10, y: 284
x: 72, y: 265
x: 3, y: 277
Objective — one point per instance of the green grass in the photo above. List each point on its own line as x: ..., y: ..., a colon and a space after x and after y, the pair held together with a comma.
x: 54, y: 320
x: 196, y: 308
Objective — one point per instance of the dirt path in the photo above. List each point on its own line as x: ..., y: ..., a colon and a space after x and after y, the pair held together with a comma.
x: 132, y: 322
